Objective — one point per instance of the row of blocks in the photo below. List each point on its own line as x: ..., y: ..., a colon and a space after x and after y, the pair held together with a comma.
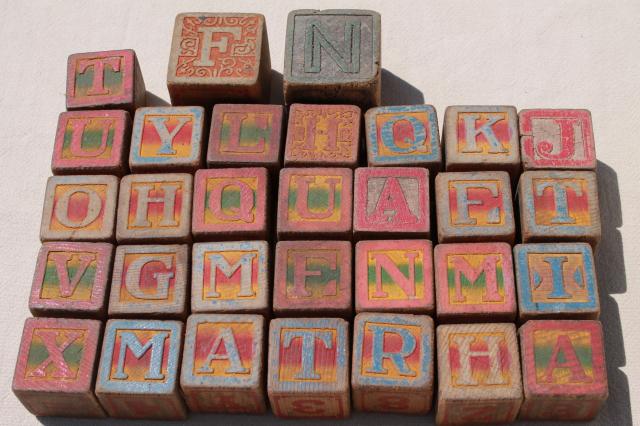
x: 172, y: 138
x: 474, y: 282
x: 322, y: 203
x: 557, y: 373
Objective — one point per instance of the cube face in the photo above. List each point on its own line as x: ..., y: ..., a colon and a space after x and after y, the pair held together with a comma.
x: 230, y: 277
x: 564, y: 370
x: 557, y: 139
x: 474, y: 282
x: 56, y: 365
x: 556, y: 280
x: 404, y: 135
x: 222, y: 367
x: 391, y: 201
x: 474, y: 206
x: 150, y: 281
x: 320, y: 66
x: 217, y: 57
x: 482, y: 138
x: 71, y: 279
x: 79, y: 208
x: 105, y: 79
x: 139, y: 368
x: 393, y: 365
x: 155, y: 208
x: 246, y: 135
x: 559, y: 206
x: 312, y: 277
x: 230, y: 203
x: 479, y: 375
x: 91, y: 142
x: 167, y: 138
x: 394, y: 276
x: 308, y: 368
x: 315, y: 201
x: 323, y: 135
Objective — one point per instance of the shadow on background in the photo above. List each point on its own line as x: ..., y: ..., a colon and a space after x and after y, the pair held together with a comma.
x: 154, y: 100
x: 277, y: 93
x: 396, y: 91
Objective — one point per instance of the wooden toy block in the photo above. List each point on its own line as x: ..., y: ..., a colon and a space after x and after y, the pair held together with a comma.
x: 150, y: 281
x: 333, y: 56
x: 155, y: 208
x: 557, y: 139
x: 559, y: 206
x: 393, y: 365
x: 564, y: 370
x: 309, y: 368
x: 322, y: 135
x: 556, y: 281
x: 312, y: 278
x: 105, y: 80
x: 91, y: 142
x: 315, y: 203
x: 56, y: 365
x: 394, y: 276
x: 482, y: 138
x: 479, y: 380
x: 474, y: 282
x: 230, y: 204
x: 218, y: 57
x: 139, y: 366
x: 403, y: 135
x: 246, y: 135
x: 222, y: 364
x: 79, y: 208
x: 231, y: 277
x: 71, y: 280
x: 391, y: 202
x: 167, y: 139
x: 474, y: 207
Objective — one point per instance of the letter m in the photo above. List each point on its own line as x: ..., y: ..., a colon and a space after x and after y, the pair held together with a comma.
x: 488, y: 267
x: 347, y: 58
x: 129, y: 340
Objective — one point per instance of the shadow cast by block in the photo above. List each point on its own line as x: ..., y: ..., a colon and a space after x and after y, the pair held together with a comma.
x: 396, y: 91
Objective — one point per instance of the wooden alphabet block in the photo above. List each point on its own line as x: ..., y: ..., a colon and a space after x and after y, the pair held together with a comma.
x: 564, y: 370
x: 394, y: 276
x: 315, y: 202
x: 155, y: 208
x: 309, y: 368
x: 167, y: 139
x: 312, y: 278
x: 79, y: 208
x: 557, y: 139
x: 323, y: 135
x: 138, y: 373
x: 391, y: 202
x: 56, y: 365
x: 71, y: 280
x: 150, y: 281
x: 403, y: 135
x: 556, y: 281
x: 474, y: 282
x: 479, y: 380
x: 230, y: 204
x: 91, y: 142
x: 222, y: 365
x: 474, y: 207
x: 333, y: 56
x: 218, y: 57
x: 482, y: 138
x: 231, y: 277
x: 105, y: 80
x: 559, y: 206
x: 246, y: 135
x: 393, y: 365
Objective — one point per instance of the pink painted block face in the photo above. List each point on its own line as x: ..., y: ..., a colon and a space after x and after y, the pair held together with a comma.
x: 394, y: 276
x: 474, y: 281
x: 391, y: 201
